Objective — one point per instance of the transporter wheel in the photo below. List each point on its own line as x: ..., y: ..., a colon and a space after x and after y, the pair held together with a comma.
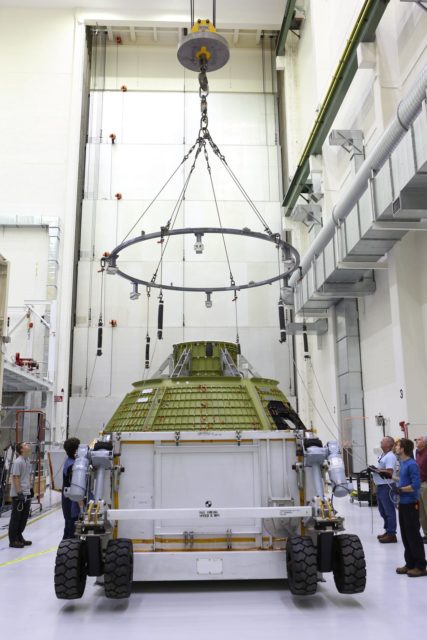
x: 70, y: 569
x: 348, y: 564
x: 301, y: 564
x: 118, y: 568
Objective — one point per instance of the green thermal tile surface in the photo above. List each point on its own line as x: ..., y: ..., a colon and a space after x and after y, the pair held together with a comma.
x: 205, y: 399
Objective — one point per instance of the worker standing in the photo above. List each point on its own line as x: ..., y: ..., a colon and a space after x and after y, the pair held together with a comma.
x: 408, y: 491
x: 70, y: 509
x: 20, y: 492
x: 382, y: 476
x: 421, y: 460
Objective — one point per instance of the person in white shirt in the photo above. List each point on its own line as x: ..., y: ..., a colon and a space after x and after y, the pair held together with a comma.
x: 383, y: 478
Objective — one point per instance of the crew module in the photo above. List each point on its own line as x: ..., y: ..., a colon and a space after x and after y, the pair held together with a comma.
x: 205, y: 472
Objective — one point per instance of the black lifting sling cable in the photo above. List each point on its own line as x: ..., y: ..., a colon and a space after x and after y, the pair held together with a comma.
x: 305, y: 339
x: 99, y: 346
x: 100, y: 321
x: 282, y: 323
x: 160, y: 317
x: 213, y: 12
x: 147, y: 337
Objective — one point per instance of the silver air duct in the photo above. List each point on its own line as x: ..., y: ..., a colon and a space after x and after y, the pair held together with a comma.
x: 101, y: 461
x: 407, y: 111
x: 339, y: 483
x: 314, y: 458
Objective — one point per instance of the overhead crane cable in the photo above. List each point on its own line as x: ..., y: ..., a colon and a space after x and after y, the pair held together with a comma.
x: 147, y: 337
x: 184, y: 115
x: 336, y: 436
x: 239, y: 185
x: 117, y: 61
x: 263, y: 61
x: 281, y: 306
x: 185, y: 158
x: 323, y: 397
x: 160, y: 297
x: 264, y: 93
x: 213, y: 12
x: 101, y: 316
x: 88, y: 388
x: 273, y: 41
x: 235, y: 300
x: 94, y: 153
x: 232, y: 281
x: 163, y: 245
x: 172, y: 219
x: 111, y: 362
x: 279, y: 272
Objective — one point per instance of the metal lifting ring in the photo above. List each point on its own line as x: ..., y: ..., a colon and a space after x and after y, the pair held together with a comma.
x: 292, y: 257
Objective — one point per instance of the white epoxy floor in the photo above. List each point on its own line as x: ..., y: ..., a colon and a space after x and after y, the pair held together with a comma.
x: 392, y: 605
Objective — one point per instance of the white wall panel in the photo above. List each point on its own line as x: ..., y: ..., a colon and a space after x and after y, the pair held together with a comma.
x: 247, y: 118
x: 138, y: 172
x: 157, y: 69
x: 234, y: 119
x: 53, y: 28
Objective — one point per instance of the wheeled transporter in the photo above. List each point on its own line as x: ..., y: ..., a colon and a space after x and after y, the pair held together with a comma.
x: 205, y: 472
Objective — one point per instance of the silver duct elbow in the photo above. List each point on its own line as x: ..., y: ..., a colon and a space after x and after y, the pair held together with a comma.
x: 339, y: 484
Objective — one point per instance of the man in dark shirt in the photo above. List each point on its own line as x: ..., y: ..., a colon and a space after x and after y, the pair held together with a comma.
x: 408, y: 491
x: 20, y: 492
x: 421, y: 459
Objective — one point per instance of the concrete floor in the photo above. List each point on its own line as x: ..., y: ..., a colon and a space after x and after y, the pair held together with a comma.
x: 209, y: 610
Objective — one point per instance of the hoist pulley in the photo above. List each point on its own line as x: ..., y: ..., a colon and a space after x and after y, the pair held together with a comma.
x: 203, y: 46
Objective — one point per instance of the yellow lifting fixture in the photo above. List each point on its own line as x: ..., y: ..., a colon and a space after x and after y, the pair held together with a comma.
x: 203, y: 46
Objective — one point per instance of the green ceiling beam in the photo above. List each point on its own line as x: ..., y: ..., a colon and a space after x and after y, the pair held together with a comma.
x: 363, y: 31
x: 286, y: 25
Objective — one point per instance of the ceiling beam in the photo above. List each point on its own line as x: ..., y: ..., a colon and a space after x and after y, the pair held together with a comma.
x: 286, y: 25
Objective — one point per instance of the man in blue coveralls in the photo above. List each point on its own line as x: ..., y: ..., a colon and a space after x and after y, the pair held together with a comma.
x: 408, y: 491
x: 70, y: 509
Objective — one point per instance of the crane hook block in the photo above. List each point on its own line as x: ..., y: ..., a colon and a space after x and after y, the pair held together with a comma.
x: 203, y: 44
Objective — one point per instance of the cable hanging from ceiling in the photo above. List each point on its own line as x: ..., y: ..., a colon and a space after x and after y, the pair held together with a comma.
x: 203, y: 50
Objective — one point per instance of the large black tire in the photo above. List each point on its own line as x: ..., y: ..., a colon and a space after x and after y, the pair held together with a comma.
x: 70, y: 570
x: 348, y: 564
x: 118, y: 568
x: 301, y: 564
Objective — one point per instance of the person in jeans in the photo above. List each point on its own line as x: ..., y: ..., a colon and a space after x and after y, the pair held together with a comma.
x: 20, y: 492
x: 70, y: 509
x: 382, y: 477
x: 421, y: 460
x: 408, y: 491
